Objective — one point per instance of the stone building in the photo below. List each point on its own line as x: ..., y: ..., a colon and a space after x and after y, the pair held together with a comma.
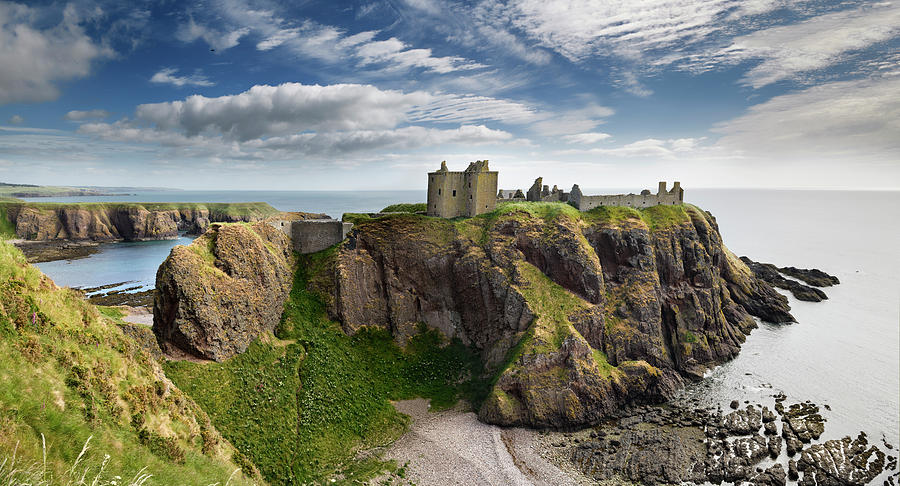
x: 643, y: 200
x: 312, y: 235
x: 467, y: 193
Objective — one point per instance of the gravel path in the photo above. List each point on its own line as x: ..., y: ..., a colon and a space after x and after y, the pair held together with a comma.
x: 452, y: 447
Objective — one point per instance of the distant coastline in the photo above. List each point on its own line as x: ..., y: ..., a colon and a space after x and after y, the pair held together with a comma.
x: 8, y: 190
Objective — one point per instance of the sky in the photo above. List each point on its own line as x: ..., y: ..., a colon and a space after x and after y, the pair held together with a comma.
x: 330, y: 95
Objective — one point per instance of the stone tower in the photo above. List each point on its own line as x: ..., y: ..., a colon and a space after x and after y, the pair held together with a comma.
x: 468, y: 193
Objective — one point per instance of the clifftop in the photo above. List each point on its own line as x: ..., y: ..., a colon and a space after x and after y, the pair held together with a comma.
x: 574, y: 312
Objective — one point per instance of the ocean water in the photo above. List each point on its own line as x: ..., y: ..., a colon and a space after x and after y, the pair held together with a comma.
x: 844, y: 352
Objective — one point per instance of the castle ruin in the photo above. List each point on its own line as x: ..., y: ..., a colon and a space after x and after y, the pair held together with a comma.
x: 467, y: 193
x: 312, y: 235
x: 542, y: 192
x: 643, y: 200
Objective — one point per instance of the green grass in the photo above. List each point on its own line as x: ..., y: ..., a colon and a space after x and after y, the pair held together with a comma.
x: 7, y: 228
x: 552, y: 305
x: 301, y: 406
x: 406, y: 208
x: 68, y: 374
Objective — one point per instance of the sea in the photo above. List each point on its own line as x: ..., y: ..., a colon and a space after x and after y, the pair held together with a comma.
x: 843, y: 352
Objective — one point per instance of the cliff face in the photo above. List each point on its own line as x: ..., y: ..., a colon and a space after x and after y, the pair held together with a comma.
x: 103, y: 222
x: 578, y: 313
x: 214, y: 296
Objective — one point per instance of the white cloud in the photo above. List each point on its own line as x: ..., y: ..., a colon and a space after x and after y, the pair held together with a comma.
x: 170, y: 76
x: 216, y: 39
x: 362, y: 140
x: 466, y: 109
x: 849, y: 119
x: 273, y: 122
x: 512, y: 45
x: 397, y: 55
x: 78, y: 115
x: 578, y: 29
x: 291, y: 107
x: 16, y: 120
x: 35, y: 59
x: 646, y: 148
x: 792, y: 50
x: 586, y: 138
x: 569, y: 122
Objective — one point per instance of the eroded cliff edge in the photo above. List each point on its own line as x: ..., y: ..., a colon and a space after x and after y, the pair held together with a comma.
x: 575, y: 313
x: 122, y: 221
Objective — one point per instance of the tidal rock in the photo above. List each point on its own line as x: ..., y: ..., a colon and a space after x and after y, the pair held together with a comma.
x: 802, y: 421
x: 793, y: 473
x: 838, y: 462
x: 743, y: 422
x: 811, y: 276
x: 770, y: 273
x: 773, y: 476
x: 218, y: 294
x: 774, y: 446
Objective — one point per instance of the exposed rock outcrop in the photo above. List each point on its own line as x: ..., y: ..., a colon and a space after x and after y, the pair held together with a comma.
x: 123, y: 221
x: 226, y: 288
x: 576, y: 313
x: 772, y: 274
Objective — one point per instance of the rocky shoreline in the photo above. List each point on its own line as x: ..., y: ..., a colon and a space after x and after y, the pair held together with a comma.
x: 673, y: 444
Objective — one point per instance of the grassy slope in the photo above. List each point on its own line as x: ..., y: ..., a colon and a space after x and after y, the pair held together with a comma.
x: 301, y: 405
x: 405, y: 208
x: 67, y: 372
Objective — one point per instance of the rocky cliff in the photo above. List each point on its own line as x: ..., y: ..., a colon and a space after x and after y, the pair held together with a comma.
x: 124, y: 221
x: 214, y: 296
x: 575, y: 313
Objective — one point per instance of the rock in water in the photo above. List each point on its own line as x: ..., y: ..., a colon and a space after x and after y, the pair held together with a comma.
x: 811, y: 276
x: 219, y: 293
x: 772, y: 274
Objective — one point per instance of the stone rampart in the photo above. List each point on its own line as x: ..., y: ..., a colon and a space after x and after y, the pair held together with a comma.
x: 312, y: 235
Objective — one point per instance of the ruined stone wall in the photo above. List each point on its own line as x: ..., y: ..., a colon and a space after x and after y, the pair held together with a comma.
x: 446, y: 198
x: 468, y: 193
x: 643, y: 200
x: 481, y: 192
x: 312, y: 235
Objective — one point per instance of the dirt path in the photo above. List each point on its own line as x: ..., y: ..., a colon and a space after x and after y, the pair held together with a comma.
x: 452, y: 447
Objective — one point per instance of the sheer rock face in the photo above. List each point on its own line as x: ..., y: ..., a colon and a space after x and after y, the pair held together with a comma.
x: 641, y: 308
x: 126, y: 222
x: 219, y: 293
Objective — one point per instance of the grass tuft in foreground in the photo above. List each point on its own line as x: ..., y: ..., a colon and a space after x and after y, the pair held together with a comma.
x: 69, y: 375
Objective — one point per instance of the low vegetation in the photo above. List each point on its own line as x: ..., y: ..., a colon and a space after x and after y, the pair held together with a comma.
x: 301, y: 404
x: 69, y: 377
x: 406, y: 208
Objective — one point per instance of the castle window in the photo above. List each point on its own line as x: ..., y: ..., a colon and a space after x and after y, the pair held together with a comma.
x: 470, y: 196
x: 439, y: 192
x: 432, y: 178
x: 454, y: 193
x: 470, y: 185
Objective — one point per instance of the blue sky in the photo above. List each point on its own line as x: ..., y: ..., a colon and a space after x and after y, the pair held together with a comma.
x: 248, y: 94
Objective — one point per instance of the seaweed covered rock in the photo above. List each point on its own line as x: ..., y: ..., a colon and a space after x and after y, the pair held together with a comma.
x: 575, y: 314
x: 219, y: 293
